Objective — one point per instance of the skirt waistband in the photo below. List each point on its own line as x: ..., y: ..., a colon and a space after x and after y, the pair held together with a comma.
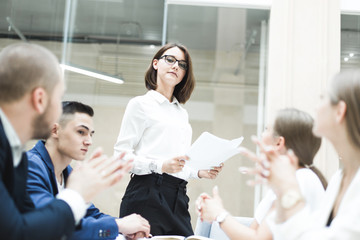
x: 161, y: 179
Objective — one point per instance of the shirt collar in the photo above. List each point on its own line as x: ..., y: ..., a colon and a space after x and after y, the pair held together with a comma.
x: 13, y: 138
x: 161, y: 98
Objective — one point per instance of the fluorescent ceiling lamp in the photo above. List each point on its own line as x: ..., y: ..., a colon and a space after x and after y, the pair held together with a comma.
x: 105, y: 77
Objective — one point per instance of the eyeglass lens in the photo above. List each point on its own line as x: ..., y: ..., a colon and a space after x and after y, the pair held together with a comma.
x: 172, y: 60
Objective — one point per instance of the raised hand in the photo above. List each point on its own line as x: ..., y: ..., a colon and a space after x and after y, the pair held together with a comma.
x: 209, y: 207
x: 275, y: 168
x: 94, y: 175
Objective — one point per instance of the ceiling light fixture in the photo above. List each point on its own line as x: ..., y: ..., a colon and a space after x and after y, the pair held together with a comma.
x: 346, y: 59
x: 351, y: 54
x: 89, y: 73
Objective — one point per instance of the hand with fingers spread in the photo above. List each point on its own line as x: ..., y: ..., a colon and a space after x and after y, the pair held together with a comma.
x: 133, y: 226
x: 97, y: 173
x: 211, y: 173
x: 175, y: 164
x: 275, y: 168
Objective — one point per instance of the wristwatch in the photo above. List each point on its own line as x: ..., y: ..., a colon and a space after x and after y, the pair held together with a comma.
x: 221, y: 217
x: 290, y: 198
x: 153, y: 166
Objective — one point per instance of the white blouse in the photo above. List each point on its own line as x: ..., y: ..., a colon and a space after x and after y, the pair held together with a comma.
x: 154, y: 130
x: 311, y: 225
x: 310, y: 186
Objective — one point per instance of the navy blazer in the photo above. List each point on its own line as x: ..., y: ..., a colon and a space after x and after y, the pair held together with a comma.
x: 18, y: 217
x: 42, y: 188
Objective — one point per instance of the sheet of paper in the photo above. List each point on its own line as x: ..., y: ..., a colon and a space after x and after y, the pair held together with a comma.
x: 209, y: 151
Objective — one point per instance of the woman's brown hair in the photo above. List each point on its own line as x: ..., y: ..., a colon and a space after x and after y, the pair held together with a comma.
x: 345, y: 86
x: 295, y: 127
x: 183, y: 90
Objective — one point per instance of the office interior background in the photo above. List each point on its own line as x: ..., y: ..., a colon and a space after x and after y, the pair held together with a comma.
x: 228, y: 42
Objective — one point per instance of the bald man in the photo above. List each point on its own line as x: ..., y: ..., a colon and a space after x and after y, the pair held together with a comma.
x: 31, y: 87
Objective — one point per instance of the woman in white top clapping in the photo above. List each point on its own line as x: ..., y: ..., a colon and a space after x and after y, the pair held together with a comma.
x: 156, y: 130
x: 338, y: 120
x: 291, y: 129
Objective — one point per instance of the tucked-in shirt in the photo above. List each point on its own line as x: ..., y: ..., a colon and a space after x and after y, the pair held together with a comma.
x: 71, y: 197
x: 310, y: 187
x: 311, y: 225
x: 154, y: 130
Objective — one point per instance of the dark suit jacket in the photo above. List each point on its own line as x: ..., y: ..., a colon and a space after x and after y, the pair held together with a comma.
x: 42, y: 188
x: 18, y: 217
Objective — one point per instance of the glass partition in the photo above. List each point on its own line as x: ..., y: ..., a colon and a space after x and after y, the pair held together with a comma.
x: 350, y: 41
x: 119, y: 37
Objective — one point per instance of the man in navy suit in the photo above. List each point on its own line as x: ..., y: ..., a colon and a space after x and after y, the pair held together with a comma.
x: 31, y: 87
x: 49, y: 168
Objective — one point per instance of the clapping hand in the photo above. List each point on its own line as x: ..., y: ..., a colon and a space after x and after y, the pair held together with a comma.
x: 92, y: 176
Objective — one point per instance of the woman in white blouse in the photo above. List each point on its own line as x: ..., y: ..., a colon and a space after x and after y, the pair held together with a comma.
x: 338, y: 120
x: 156, y: 132
x: 291, y: 129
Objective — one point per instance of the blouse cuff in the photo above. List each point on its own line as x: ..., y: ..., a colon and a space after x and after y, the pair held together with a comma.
x: 76, y: 203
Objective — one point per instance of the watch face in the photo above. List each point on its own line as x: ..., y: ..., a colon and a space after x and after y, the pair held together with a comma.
x: 221, y: 217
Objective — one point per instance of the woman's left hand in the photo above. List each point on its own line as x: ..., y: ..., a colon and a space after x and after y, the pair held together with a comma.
x: 211, y: 173
x: 209, y: 207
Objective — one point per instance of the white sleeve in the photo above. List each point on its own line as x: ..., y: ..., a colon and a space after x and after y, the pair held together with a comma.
x: 76, y: 203
x: 132, y: 128
x: 310, y: 225
x: 303, y: 226
x: 311, y: 188
x: 264, y: 206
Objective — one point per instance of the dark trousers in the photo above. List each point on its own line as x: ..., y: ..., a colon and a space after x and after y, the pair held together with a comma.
x: 162, y: 200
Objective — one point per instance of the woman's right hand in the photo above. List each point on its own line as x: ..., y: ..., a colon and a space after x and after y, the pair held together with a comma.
x: 175, y: 164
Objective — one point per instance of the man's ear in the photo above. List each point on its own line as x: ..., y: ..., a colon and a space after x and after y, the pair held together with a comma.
x: 340, y: 111
x: 155, y: 64
x: 55, y: 130
x: 39, y: 99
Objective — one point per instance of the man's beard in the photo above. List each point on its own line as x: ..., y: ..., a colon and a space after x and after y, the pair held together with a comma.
x: 41, y: 125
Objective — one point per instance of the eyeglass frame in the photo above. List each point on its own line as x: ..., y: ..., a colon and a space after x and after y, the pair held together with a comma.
x: 176, y: 60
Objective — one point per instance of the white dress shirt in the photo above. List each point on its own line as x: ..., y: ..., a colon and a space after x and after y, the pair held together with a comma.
x: 154, y: 130
x: 71, y: 197
x: 310, y: 225
x: 310, y: 186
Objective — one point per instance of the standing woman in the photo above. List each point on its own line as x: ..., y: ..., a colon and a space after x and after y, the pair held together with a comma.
x: 338, y: 120
x: 156, y: 130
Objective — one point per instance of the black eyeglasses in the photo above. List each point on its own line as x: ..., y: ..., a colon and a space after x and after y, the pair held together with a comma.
x: 171, y: 60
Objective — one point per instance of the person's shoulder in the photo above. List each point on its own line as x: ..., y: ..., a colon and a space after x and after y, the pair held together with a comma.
x: 33, y: 155
x: 307, y: 178
x: 305, y: 173
x: 35, y: 160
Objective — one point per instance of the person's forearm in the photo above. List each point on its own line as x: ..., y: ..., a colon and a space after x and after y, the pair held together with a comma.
x: 236, y: 230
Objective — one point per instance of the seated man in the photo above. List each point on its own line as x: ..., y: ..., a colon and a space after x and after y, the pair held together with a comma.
x: 31, y: 86
x: 49, y: 168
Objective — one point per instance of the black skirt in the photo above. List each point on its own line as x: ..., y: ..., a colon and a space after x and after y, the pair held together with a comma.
x: 162, y: 200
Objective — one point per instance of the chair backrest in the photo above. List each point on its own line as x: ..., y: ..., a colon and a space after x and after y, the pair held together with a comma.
x: 213, y: 230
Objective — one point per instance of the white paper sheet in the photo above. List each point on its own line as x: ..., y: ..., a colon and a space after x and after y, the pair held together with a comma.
x: 210, y: 151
